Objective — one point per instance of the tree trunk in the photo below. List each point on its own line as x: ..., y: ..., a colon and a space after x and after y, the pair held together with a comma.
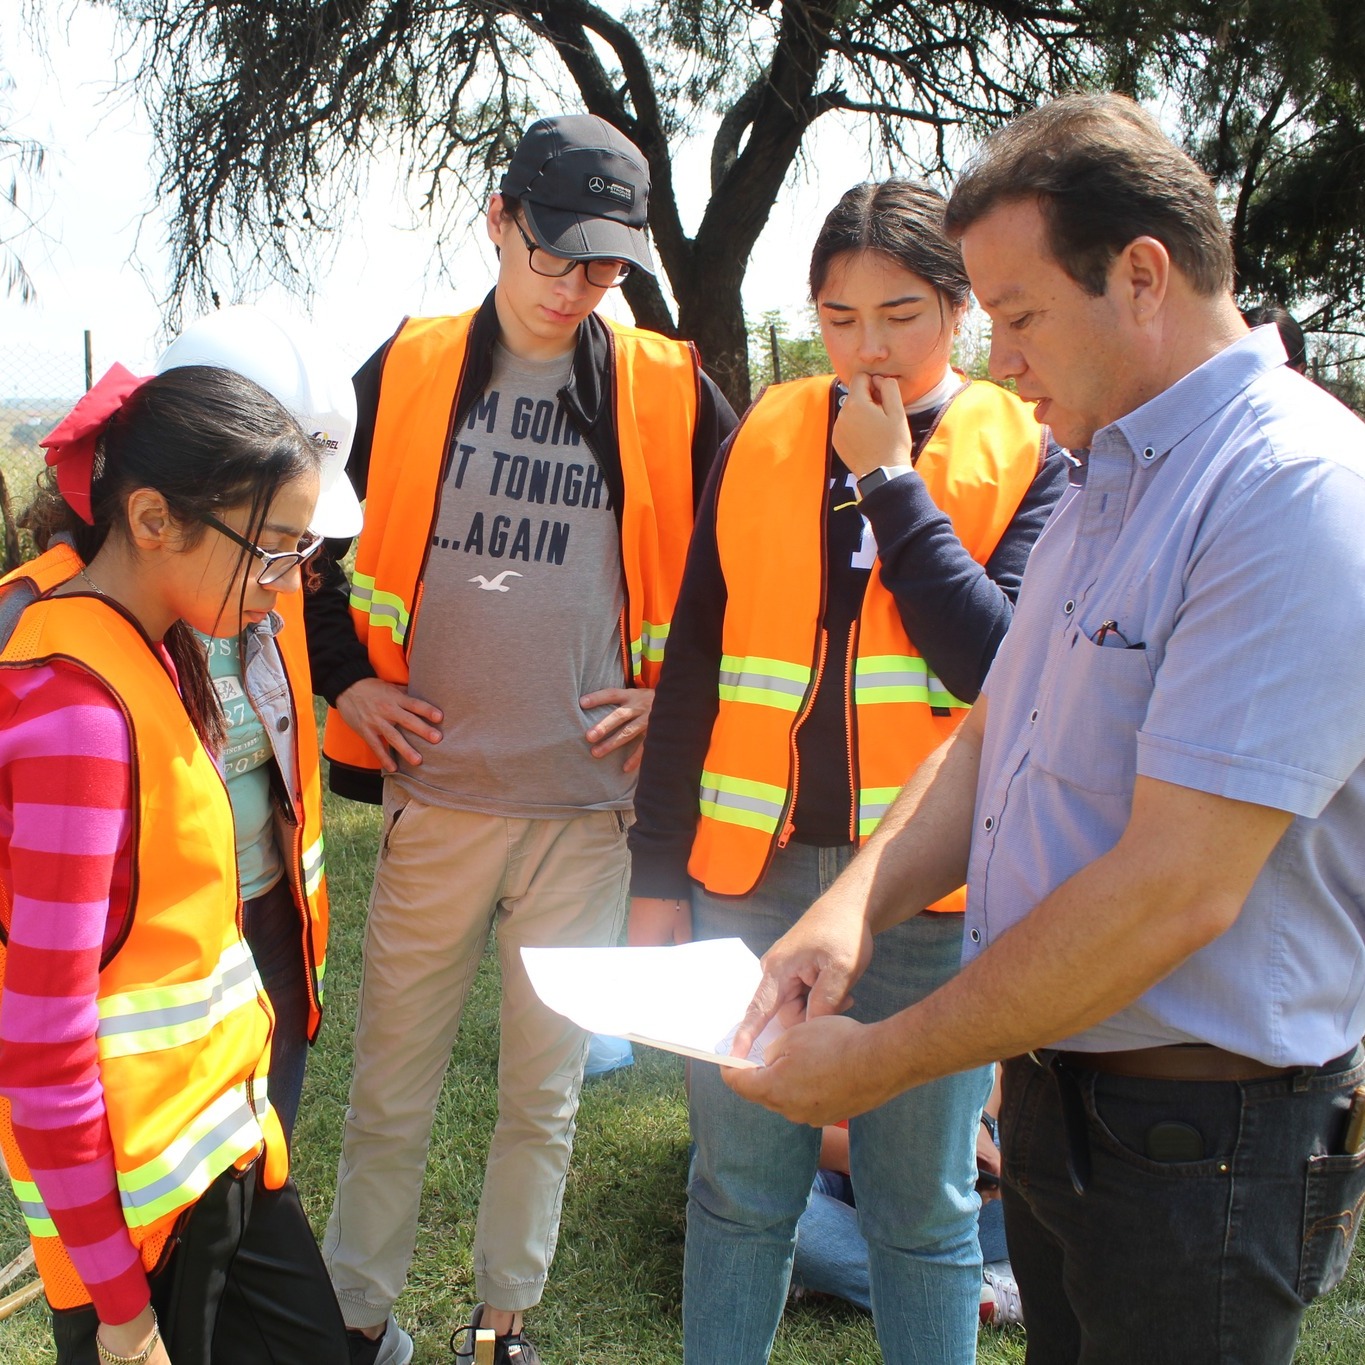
x: 711, y: 313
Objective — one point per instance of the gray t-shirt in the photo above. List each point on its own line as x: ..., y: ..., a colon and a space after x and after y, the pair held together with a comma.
x: 521, y: 610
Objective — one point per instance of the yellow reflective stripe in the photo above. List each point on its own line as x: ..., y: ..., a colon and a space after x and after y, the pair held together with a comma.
x: 763, y: 682
x: 739, y: 801
x: 209, y: 1144
x: 159, y: 1017
x: 873, y: 803
x: 649, y: 644
x: 654, y: 639
x: 312, y: 866
x: 35, y: 1212
x: 386, y: 610
x: 880, y: 678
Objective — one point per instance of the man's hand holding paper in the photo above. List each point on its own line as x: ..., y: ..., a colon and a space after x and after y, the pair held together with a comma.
x: 810, y: 971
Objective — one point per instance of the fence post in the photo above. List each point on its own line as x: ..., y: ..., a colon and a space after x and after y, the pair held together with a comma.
x: 89, y: 363
x: 777, y: 357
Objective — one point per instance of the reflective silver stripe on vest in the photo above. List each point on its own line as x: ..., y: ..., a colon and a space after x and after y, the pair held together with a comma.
x: 740, y: 801
x: 209, y: 1144
x: 763, y: 682
x: 385, y: 610
x: 873, y: 803
x: 312, y: 866
x: 883, y: 678
x: 157, y: 1017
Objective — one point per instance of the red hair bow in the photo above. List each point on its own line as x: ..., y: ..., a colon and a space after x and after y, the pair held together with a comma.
x: 70, y: 445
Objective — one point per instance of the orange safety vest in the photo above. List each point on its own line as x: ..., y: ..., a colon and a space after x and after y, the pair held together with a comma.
x: 978, y: 464
x: 301, y: 839
x: 656, y: 384
x: 184, y: 1022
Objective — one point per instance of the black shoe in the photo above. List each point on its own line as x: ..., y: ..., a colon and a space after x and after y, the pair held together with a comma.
x: 513, y: 1349
x: 393, y: 1346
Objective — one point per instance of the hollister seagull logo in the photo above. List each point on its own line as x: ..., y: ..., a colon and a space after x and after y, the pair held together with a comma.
x: 494, y: 584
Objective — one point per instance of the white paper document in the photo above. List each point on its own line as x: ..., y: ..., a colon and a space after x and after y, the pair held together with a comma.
x: 689, y: 998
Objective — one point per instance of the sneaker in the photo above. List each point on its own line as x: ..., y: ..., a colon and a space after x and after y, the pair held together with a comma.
x: 986, y: 1311
x: 1007, y: 1307
x: 392, y: 1347
x: 513, y: 1349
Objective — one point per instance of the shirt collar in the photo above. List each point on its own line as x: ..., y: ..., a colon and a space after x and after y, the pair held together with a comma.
x: 1161, y: 423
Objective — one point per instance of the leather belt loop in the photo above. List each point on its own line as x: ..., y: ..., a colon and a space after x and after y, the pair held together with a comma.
x: 1075, y: 1123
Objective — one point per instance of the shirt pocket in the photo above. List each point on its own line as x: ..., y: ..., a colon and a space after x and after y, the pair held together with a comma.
x: 1096, y: 707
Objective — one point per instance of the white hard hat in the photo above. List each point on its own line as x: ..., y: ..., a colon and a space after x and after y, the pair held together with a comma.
x: 301, y: 370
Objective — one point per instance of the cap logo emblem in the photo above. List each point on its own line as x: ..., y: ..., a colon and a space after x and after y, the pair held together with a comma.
x: 611, y: 188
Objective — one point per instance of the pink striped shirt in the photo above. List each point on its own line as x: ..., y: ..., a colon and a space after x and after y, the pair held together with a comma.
x: 65, y: 856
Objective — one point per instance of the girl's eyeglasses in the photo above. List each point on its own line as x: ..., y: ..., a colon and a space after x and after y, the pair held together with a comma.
x: 275, y: 564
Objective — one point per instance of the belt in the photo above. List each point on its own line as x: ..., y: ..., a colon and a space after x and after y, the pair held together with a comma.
x: 1177, y: 1062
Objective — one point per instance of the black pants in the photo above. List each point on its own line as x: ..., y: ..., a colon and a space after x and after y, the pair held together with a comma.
x: 242, y: 1283
x: 1211, y: 1257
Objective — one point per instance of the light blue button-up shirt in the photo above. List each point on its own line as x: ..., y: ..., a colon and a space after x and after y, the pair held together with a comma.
x: 1220, y: 528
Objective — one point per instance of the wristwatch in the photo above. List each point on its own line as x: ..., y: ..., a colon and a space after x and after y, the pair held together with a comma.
x: 875, y: 478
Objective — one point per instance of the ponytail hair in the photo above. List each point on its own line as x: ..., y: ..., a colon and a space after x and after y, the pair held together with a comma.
x: 209, y: 441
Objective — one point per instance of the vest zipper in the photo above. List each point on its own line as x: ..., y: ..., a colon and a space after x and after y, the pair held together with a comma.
x: 294, y: 817
x: 419, y: 590
x: 788, y: 826
x: 305, y: 916
x: 250, y: 1084
x: 851, y: 729
x: 447, y: 458
x: 580, y: 419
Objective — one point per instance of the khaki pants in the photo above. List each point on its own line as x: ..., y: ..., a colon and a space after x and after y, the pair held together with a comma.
x: 442, y: 879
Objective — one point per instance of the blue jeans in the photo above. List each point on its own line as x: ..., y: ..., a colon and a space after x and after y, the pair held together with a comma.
x: 914, y: 1160
x: 1182, y: 1262
x: 831, y: 1253
x: 274, y: 933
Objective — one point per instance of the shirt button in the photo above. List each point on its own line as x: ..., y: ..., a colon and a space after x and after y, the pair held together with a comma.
x: 1149, y: 454
x: 1069, y: 606
x: 976, y: 935
x: 988, y: 823
x: 1032, y: 716
x: 282, y: 724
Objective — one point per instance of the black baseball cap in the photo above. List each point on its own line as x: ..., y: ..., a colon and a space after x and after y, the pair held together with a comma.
x: 584, y: 189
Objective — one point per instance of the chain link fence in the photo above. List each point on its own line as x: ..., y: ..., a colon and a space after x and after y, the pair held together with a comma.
x: 38, y: 386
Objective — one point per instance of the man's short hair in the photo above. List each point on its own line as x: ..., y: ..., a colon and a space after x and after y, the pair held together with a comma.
x: 1102, y: 173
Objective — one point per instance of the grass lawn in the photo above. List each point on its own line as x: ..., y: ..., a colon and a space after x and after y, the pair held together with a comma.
x: 615, y: 1289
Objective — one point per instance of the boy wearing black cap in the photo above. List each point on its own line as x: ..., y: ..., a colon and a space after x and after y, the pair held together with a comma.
x: 530, y: 473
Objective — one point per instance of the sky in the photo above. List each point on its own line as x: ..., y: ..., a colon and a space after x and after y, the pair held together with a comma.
x: 96, y: 251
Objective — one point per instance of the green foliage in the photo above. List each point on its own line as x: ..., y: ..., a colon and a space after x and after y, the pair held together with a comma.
x: 1270, y: 100
x: 795, y: 356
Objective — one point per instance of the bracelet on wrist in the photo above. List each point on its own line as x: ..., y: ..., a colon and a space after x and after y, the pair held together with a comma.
x: 108, y: 1357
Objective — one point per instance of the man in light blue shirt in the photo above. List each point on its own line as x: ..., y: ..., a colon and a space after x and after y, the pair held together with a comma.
x: 1158, y: 800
